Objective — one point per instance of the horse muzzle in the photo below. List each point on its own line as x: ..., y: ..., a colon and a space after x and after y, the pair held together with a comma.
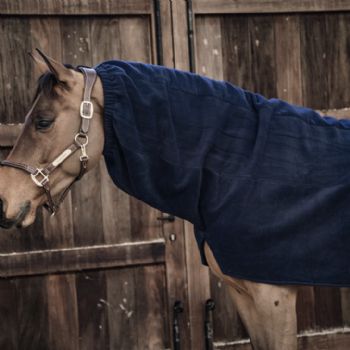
x: 8, y: 223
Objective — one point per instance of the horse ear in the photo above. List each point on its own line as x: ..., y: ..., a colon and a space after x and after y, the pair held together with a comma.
x: 61, y: 72
x: 39, y: 63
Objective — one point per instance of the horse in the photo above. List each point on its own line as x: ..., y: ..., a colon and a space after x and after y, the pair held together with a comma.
x: 63, y: 137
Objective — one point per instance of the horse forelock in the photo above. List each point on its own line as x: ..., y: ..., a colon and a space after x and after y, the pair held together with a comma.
x: 47, y: 83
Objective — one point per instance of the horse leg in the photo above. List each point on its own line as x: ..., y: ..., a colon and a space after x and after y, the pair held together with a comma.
x: 267, y: 311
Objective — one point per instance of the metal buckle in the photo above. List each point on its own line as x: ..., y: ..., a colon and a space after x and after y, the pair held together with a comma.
x: 39, y: 182
x: 86, y: 109
x: 82, y: 136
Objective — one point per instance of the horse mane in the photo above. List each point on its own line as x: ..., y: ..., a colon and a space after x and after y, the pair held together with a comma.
x: 46, y: 83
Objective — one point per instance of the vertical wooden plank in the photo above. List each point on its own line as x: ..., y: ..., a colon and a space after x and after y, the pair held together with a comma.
x: 177, y: 277
x: 32, y: 313
x: 180, y: 34
x: 288, y: 68
x: 136, y: 44
x: 167, y: 38
x: 92, y: 310
x: 62, y: 312
x: 236, y: 53
x: 16, y: 69
x: 8, y: 315
x: 144, y: 223
x: 306, y: 318
x: 122, y: 309
x: 262, y: 45
x: 313, y: 61
x: 152, y: 320
x: 208, y: 47
x: 129, y: 39
x: 345, y: 305
x: 198, y: 288
x: 327, y: 307
x: 338, y: 58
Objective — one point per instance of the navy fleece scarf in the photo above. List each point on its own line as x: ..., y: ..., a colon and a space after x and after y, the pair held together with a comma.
x: 265, y: 183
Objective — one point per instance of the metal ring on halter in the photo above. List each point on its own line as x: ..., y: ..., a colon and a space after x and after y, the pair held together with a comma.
x: 83, y: 136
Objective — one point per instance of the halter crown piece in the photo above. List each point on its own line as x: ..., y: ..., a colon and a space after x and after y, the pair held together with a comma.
x: 40, y: 176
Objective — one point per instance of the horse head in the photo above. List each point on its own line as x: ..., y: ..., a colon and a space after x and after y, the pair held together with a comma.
x: 60, y: 140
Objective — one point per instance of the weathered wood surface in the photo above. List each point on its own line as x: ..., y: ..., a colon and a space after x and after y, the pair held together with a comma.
x: 268, y: 6
x: 75, y: 7
x: 82, y: 258
x: 337, y: 339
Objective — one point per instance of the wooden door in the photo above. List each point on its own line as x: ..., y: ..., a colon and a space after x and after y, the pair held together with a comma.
x: 294, y: 50
x: 103, y: 273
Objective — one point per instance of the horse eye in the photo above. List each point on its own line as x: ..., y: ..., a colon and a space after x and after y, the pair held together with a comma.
x: 42, y: 124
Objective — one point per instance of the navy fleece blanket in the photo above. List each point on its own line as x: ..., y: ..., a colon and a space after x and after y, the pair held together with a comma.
x: 265, y: 183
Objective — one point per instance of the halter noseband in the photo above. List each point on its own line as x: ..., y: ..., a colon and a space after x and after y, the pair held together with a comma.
x: 40, y: 176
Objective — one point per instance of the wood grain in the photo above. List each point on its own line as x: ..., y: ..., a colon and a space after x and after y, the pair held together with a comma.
x: 288, y: 67
x: 176, y: 276
x: 75, y: 7
x: 208, y: 47
x: 151, y: 308
x: 337, y: 339
x: 268, y: 6
x: 338, y: 58
x: 327, y: 307
x: 16, y: 69
x: 8, y: 314
x: 180, y: 38
x: 314, y: 60
x: 92, y: 311
x: 167, y: 35
x: 262, y: 46
x: 236, y: 52
x: 198, y: 288
x: 31, y: 308
x: 62, y: 312
x: 83, y: 258
x: 121, y: 303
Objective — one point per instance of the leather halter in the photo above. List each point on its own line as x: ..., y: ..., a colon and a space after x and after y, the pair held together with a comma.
x: 40, y: 176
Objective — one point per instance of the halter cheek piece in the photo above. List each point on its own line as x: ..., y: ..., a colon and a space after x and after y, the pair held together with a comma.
x: 40, y: 176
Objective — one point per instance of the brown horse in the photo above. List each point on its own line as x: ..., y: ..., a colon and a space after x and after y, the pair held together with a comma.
x: 60, y: 141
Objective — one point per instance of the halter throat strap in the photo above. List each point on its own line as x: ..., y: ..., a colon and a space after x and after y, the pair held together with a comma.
x: 40, y: 176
